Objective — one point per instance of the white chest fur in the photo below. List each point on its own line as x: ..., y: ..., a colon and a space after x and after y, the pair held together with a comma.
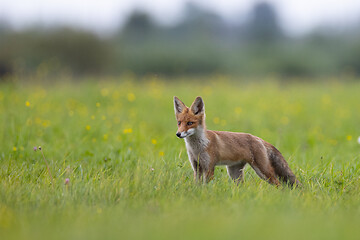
x: 196, y: 145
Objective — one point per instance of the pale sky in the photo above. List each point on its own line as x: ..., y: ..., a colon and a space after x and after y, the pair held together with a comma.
x: 103, y: 16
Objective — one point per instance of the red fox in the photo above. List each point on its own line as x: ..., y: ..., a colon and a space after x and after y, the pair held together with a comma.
x: 207, y: 148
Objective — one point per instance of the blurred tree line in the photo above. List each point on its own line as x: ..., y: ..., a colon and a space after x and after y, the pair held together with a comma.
x: 201, y: 43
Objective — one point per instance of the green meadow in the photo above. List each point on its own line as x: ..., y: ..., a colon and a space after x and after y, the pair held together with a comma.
x: 117, y: 170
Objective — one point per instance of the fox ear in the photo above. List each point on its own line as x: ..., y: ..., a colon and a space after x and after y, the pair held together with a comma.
x: 179, y: 106
x: 198, y: 106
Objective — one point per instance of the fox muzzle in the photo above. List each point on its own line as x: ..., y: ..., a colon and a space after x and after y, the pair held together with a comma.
x: 184, y: 134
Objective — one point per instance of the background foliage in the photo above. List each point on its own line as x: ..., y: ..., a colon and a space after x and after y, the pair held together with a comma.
x: 200, y: 43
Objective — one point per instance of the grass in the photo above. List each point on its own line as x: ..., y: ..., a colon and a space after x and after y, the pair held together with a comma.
x: 129, y: 176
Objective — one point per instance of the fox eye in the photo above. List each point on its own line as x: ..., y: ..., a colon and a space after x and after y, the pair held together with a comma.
x: 190, y: 123
x: 179, y: 122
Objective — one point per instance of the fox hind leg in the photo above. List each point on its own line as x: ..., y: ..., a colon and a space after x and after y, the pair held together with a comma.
x: 263, y: 168
x: 236, y: 172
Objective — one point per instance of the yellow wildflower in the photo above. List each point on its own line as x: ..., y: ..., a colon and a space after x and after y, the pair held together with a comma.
x: 106, y: 136
x: 131, y: 97
x: 127, y: 130
x: 45, y: 123
x: 238, y: 110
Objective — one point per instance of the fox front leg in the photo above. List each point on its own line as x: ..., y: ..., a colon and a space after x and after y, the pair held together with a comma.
x: 198, y: 171
x: 209, y: 174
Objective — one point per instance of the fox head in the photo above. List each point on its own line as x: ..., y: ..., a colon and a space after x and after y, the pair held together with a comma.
x: 189, y: 120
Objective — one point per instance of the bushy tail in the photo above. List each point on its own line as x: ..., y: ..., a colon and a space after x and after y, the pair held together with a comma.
x: 281, y: 167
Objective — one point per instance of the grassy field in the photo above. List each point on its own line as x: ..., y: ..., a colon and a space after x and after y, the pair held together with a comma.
x: 120, y: 172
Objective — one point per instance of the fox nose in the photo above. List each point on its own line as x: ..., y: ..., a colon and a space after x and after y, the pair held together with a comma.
x: 178, y: 134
